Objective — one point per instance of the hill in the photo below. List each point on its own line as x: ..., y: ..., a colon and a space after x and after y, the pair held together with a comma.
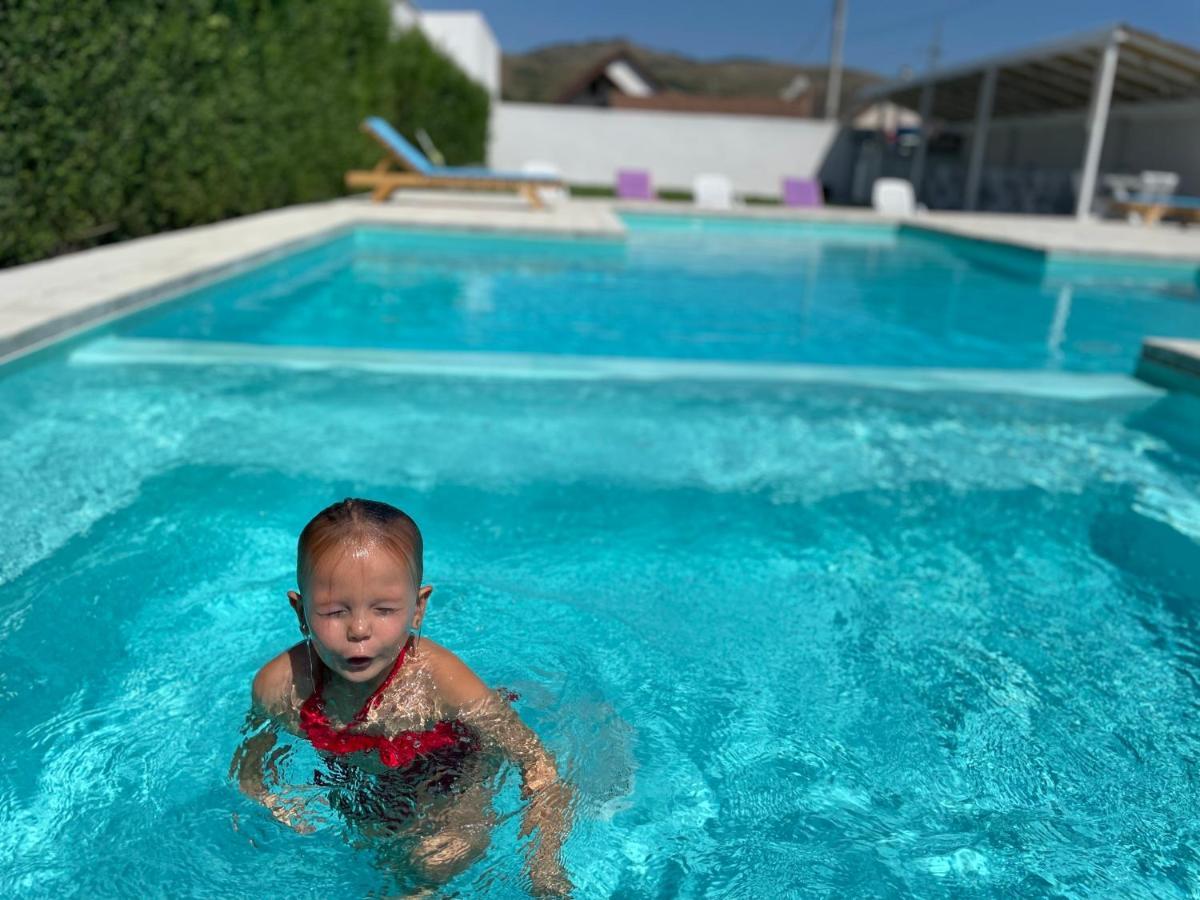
x: 539, y: 75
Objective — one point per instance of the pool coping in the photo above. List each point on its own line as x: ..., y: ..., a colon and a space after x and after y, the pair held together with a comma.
x: 1065, y: 240
x: 1171, y: 363
x: 1060, y: 240
x: 1050, y: 263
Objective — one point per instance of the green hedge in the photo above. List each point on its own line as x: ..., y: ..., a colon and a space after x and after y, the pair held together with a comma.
x: 122, y: 118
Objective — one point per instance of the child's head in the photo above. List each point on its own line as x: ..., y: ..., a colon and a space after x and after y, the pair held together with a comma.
x: 358, y: 566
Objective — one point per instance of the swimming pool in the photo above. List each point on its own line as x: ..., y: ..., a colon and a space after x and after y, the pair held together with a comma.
x: 746, y: 291
x: 815, y: 638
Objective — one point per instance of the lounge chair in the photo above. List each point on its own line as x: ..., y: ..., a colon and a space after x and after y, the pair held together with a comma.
x: 1144, y: 197
x: 1151, y: 212
x: 539, y: 168
x: 421, y: 173
x: 712, y: 191
x: 893, y: 197
x: 802, y: 192
x: 634, y: 184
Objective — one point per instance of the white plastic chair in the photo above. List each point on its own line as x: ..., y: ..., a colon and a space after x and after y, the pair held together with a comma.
x: 1157, y: 187
x: 893, y: 197
x: 551, y: 196
x: 1150, y: 186
x: 712, y: 191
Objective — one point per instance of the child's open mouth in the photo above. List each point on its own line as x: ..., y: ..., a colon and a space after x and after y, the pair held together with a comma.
x: 358, y: 662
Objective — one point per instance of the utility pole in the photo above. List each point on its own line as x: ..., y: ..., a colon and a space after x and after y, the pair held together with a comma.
x: 833, y: 88
x: 925, y: 111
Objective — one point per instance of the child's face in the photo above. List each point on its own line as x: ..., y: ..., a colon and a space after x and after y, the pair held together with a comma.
x: 360, y: 604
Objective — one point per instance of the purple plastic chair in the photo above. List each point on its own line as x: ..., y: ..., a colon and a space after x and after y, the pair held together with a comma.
x: 634, y: 184
x: 802, y: 192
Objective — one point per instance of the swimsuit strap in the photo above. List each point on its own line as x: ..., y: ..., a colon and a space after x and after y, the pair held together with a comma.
x: 396, y: 751
x: 317, y: 698
x: 361, y: 715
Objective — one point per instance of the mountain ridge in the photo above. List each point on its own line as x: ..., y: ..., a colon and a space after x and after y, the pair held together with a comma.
x: 540, y: 75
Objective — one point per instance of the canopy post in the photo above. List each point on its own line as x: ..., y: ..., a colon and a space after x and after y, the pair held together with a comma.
x: 983, y: 119
x: 1106, y: 71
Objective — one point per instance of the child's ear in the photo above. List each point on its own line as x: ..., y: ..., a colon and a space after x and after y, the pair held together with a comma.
x: 422, y: 599
x: 298, y: 605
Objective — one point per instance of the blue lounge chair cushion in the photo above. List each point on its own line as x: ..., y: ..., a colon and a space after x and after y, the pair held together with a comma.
x: 485, y: 174
x: 417, y: 160
x: 395, y: 142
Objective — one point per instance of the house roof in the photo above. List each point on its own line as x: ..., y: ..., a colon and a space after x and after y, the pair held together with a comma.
x: 598, y: 68
x: 1055, y: 77
x: 678, y: 101
x: 675, y: 101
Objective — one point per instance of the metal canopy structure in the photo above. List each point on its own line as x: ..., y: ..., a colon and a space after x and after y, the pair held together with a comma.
x: 1087, y: 72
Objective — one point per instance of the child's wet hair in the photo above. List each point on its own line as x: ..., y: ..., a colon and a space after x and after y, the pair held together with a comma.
x: 357, y: 521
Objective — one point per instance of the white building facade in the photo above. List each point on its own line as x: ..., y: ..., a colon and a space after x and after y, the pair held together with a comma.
x: 464, y: 36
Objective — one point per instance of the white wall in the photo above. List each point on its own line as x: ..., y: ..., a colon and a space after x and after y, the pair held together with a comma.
x: 588, y: 145
x: 466, y: 38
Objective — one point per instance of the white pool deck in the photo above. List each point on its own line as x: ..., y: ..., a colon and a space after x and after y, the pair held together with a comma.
x: 46, y: 300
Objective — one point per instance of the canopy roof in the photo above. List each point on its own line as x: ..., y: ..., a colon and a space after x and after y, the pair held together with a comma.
x: 1054, y: 77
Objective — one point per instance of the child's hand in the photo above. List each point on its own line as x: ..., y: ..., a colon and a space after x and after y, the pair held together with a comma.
x: 546, y: 813
x: 548, y: 877
x: 292, y: 812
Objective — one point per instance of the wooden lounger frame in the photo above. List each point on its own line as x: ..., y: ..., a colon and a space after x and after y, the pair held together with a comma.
x: 1152, y: 213
x: 383, y: 181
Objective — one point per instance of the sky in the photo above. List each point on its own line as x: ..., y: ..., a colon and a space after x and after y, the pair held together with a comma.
x: 881, y: 35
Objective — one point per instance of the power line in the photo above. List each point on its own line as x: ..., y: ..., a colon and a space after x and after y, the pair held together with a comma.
x: 905, y: 22
x: 908, y: 23
x: 917, y: 173
x: 816, y: 36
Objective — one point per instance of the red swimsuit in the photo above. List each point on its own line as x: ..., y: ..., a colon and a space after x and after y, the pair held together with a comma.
x: 394, y: 752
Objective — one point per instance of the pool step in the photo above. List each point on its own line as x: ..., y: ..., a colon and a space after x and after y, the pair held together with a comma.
x: 549, y: 366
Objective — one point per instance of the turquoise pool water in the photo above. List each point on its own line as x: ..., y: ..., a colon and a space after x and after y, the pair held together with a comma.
x: 775, y: 292
x: 813, y: 639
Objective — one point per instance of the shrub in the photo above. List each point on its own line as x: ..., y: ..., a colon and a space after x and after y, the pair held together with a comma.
x: 121, y: 118
x: 437, y: 96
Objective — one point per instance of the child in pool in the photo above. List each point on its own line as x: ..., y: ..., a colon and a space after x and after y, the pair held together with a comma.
x: 404, y: 724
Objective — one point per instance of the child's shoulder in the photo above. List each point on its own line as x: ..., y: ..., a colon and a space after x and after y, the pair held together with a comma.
x: 281, y: 679
x: 457, y: 685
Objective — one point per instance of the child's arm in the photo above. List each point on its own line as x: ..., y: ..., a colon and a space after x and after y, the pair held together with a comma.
x: 499, y: 726
x: 253, y: 759
x: 247, y: 763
